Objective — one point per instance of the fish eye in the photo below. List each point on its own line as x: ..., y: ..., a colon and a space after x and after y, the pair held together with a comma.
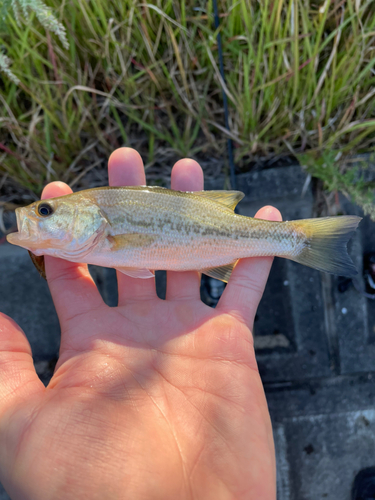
x: 44, y: 209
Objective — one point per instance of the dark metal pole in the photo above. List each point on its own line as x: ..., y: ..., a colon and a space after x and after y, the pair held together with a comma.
x: 225, y: 99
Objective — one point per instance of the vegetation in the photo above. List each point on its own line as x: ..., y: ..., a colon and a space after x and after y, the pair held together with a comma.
x: 87, y: 76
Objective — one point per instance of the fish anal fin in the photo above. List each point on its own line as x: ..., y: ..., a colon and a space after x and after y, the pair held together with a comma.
x: 38, y: 261
x: 221, y: 273
x: 136, y: 273
x: 131, y: 240
x: 229, y: 199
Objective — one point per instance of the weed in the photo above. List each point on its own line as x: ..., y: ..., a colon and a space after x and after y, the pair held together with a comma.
x: 346, y: 175
x: 299, y: 79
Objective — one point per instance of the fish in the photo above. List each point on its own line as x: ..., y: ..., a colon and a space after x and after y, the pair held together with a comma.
x: 140, y: 229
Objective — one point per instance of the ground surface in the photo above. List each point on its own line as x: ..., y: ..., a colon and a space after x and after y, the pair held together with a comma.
x: 315, y: 346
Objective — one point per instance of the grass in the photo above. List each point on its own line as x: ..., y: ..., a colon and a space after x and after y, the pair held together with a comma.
x: 299, y: 79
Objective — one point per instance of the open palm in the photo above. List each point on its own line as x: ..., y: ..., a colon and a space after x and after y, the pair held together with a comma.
x: 151, y: 399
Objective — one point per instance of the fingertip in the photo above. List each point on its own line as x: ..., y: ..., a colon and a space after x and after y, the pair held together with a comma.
x: 125, y: 168
x: 124, y: 154
x: 269, y: 213
x: 187, y: 175
x: 55, y: 189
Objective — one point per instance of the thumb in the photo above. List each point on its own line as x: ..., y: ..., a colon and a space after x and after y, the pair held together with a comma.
x: 18, y: 378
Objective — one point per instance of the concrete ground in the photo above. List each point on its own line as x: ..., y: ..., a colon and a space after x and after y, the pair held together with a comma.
x: 315, y: 344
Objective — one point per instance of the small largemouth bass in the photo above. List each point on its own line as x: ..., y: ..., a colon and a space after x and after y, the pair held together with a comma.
x: 137, y: 230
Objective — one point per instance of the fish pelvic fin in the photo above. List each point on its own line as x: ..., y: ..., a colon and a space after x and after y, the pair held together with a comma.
x: 136, y: 273
x: 229, y: 199
x: 325, y: 244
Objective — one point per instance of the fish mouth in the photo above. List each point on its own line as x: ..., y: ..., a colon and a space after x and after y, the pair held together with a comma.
x: 14, y: 238
x: 24, y: 235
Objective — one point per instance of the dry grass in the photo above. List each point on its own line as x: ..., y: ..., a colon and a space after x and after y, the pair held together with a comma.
x: 299, y: 79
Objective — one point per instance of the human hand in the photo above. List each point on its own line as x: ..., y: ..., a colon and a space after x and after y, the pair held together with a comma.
x: 152, y: 399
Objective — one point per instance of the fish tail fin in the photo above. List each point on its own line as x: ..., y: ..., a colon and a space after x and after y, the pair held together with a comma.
x: 325, y: 244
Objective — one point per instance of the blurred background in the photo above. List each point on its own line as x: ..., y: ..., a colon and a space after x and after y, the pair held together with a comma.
x: 275, y: 98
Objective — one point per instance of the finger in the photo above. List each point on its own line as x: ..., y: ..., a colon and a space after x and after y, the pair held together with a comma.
x: 125, y: 168
x: 18, y: 379
x: 187, y: 175
x: 242, y: 295
x: 72, y: 288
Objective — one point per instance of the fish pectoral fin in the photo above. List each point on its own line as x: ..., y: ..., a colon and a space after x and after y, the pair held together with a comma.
x: 131, y: 240
x: 136, y: 273
x: 221, y: 273
x: 226, y: 198
x: 38, y: 261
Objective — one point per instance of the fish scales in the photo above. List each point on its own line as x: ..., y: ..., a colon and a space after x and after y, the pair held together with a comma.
x: 191, y: 231
x: 136, y: 229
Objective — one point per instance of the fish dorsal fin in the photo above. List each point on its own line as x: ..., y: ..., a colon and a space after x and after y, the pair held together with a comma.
x: 38, y: 261
x: 221, y: 273
x: 226, y: 198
